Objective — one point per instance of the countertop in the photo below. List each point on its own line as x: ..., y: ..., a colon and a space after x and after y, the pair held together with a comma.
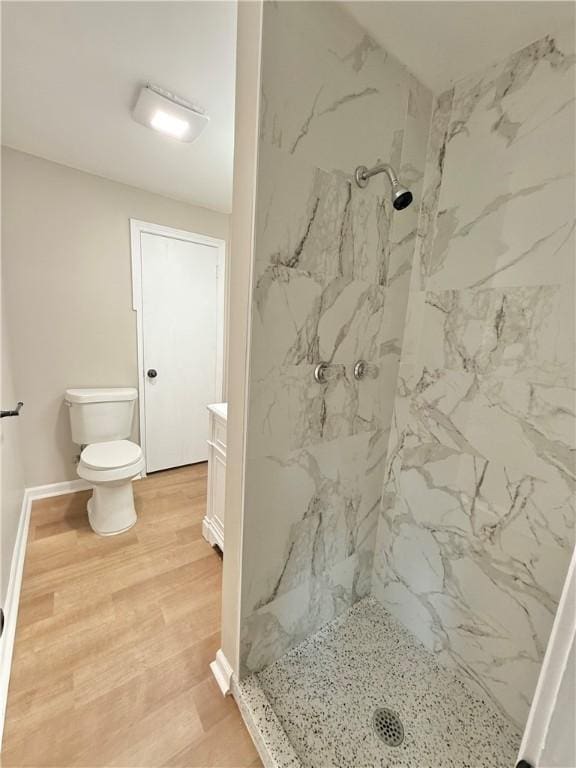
x: 220, y: 409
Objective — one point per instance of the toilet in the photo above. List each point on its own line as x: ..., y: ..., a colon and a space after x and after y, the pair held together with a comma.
x: 101, y: 421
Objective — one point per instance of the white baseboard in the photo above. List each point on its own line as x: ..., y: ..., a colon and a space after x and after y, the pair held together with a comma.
x: 11, y: 605
x: 222, y: 671
x: 60, y: 489
x: 57, y: 489
x: 212, y: 534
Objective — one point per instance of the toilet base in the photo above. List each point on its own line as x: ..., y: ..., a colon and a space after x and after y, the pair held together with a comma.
x: 111, y: 508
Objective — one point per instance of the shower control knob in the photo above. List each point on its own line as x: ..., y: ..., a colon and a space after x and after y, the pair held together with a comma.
x: 152, y: 373
x: 320, y: 372
x: 360, y: 370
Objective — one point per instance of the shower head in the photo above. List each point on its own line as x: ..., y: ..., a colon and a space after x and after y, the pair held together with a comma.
x: 401, y: 196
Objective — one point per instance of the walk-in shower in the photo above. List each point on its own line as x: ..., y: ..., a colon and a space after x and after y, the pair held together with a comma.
x: 401, y: 196
x: 407, y: 520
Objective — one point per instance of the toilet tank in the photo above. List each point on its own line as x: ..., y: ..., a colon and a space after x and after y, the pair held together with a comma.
x: 99, y: 415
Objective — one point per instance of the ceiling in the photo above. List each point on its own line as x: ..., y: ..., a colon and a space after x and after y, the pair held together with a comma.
x: 441, y: 42
x: 71, y: 72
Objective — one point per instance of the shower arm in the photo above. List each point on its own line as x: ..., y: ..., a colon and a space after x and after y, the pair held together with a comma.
x: 363, y: 174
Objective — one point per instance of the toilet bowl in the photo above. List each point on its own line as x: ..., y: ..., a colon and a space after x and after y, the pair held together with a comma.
x: 101, y: 421
x: 110, y: 468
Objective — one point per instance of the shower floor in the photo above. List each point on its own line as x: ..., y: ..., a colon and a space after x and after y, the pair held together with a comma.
x: 324, y: 693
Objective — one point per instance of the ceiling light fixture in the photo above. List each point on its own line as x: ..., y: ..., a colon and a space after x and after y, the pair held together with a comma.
x: 169, y: 114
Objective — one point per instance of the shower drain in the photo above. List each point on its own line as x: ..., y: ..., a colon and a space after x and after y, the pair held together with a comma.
x: 388, y: 726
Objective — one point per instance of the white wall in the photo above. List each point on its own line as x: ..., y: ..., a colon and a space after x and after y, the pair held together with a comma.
x: 560, y: 748
x: 477, y: 528
x: 331, y: 267
x: 240, y: 281
x: 66, y: 261
x: 549, y: 740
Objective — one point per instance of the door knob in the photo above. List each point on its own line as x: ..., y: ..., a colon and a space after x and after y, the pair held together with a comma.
x: 151, y: 373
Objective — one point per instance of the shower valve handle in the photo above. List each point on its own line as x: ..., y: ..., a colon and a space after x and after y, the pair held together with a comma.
x: 325, y: 372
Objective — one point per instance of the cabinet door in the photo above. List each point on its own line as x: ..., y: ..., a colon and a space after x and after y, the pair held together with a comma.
x: 219, y: 489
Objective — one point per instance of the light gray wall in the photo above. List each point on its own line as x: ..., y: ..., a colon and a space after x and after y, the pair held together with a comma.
x: 11, y: 469
x: 66, y: 258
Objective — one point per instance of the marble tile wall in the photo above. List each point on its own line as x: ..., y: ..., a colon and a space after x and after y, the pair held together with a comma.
x: 477, y: 520
x: 331, y: 279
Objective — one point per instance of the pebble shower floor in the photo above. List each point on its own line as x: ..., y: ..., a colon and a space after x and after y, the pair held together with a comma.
x: 326, y: 691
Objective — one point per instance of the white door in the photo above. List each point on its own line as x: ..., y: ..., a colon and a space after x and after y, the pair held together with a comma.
x: 179, y: 329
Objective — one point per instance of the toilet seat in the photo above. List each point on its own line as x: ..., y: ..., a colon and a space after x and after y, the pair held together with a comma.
x: 111, y: 455
x: 111, y: 461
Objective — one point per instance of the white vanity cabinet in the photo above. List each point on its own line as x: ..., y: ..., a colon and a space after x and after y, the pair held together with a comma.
x: 213, y: 523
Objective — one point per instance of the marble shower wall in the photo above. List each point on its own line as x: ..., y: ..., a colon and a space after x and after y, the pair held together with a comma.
x: 330, y: 283
x: 477, y: 521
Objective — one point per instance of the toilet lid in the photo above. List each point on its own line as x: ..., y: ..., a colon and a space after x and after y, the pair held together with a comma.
x: 112, y: 455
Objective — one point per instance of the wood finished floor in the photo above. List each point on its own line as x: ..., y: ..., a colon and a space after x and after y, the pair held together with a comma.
x: 115, y: 636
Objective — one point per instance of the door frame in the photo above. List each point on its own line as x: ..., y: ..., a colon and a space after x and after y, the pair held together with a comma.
x: 137, y: 229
